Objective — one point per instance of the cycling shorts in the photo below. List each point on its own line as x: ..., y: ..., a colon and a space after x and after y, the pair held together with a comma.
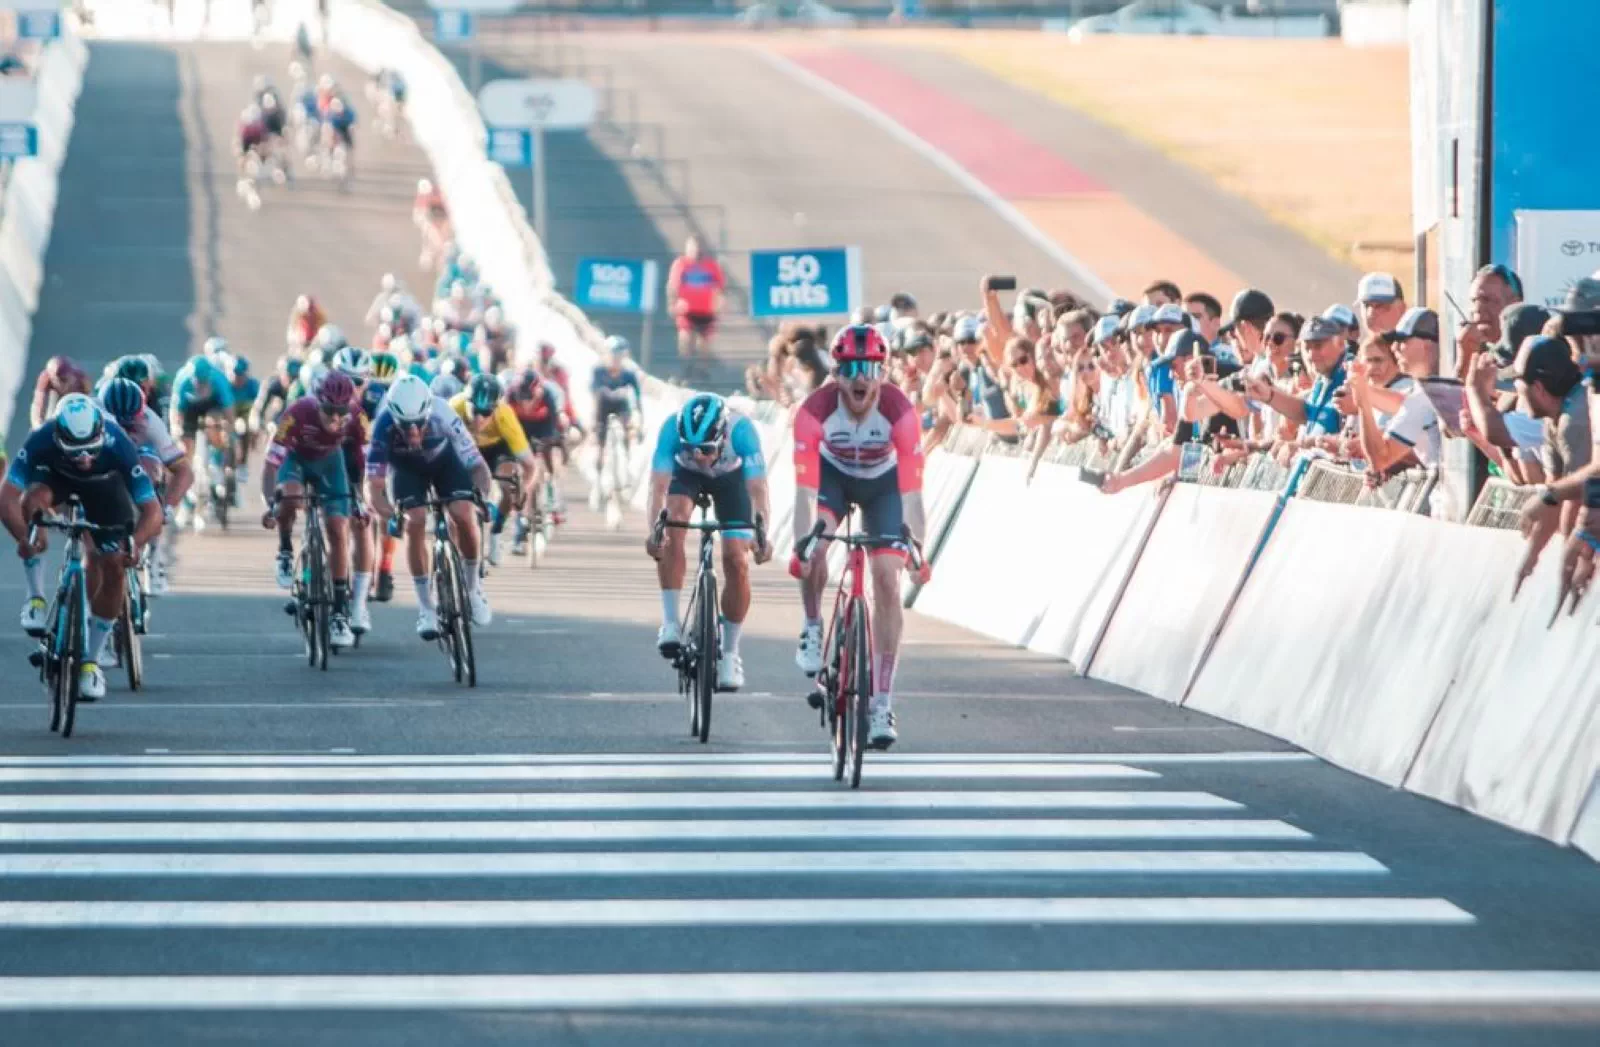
x: 603, y: 412
x: 328, y: 475
x: 445, y: 477
x: 193, y: 417
x: 545, y: 430
x: 497, y: 454
x: 703, y: 324
x: 729, y: 494
x: 106, y: 502
x: 882, y: 508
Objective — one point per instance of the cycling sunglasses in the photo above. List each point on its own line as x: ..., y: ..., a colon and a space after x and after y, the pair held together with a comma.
x: 706, y: 449
x: 869, y: 369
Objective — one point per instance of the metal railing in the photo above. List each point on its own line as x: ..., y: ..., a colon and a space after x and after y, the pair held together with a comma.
x: 1499, y: 505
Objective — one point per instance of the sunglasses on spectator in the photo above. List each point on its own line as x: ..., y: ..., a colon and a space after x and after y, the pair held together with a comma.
x: 1018, y: 361
x: 1278, y: 337
x: 868, y: 369
x: 1086, y: 366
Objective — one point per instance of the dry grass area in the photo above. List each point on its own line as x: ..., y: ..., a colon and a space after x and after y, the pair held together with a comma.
x: 1315, y: 133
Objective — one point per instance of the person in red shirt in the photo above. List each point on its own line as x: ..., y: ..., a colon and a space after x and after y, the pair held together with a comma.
x: 60, y: 377
x: 695, y: 284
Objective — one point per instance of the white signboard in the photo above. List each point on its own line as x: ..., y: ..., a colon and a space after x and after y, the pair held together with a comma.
x: 538, y: 105
x: 477, y: 7
x: 1554, y: 250
x: 19, y: 98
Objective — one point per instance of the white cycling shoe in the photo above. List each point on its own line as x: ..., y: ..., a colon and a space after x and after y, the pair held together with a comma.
x: 669, y: 639
x: 482, y: 614
x: 880, y: 726
x: 427, y: 624
x: 285, y: 570
x: 809, y: 655
x: 91, y: 682
x: 730, y: 673
x: 339, y: 635
x: 33, y: 616
x: 360, y: 618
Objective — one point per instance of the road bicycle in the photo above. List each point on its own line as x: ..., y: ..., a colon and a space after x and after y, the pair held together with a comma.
x: 62, y: 650
x: 843, y: 691
x: 131, y: 625
x: 615, y: 480
x: 695, y: 657
x: 311, y: 598
x: 451, y: 605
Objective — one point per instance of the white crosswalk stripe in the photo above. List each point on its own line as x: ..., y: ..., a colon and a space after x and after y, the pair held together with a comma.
x: 238, y: 846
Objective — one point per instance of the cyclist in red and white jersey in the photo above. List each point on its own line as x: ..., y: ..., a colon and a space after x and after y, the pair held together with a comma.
x: 857, y: 443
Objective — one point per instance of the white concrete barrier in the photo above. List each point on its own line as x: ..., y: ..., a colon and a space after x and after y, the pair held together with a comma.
x: 29, y: 207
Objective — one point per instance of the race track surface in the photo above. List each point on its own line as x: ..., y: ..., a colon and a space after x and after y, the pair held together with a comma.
x: 1042, y: 860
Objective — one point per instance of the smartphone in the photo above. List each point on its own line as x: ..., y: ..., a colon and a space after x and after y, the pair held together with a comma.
x: 1190, y: 459
x: 1093, y: 477
x: 1580, y: 325
x: 1002, y: 283
x: 1208, y: 366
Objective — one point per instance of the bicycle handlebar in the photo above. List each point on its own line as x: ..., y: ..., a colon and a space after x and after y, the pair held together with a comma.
x: 662, y: 523
x: 807, y: 545
x: 41, y: 522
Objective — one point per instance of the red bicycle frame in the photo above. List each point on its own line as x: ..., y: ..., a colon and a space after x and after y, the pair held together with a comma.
x: 852, y: 587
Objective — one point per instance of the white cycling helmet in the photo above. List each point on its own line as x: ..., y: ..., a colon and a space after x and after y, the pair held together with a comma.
x: 353, y: 361
x: 313, y: 376
x: 330, y: 338
x: 80, y: 425
x: 446, y: 385
x: 410, y: 401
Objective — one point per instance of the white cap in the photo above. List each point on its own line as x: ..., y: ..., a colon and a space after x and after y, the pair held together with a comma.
x: 1378, y: 287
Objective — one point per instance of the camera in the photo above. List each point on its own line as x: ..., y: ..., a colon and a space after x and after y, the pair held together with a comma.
x: 1581, y: 325
x: 1002, y: 283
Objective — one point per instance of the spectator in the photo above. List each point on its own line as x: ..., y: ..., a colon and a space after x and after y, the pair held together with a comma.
x: 695, y: 285
x: 1247, y: 320
x: 902, y: 309
x: 1345, y: 317
x: 1162, y: 292
x: 1201, y: 419
x: 1382, y: 302
x: 1205, y: 316
x: 1393, y: 433
x: 1494, y: 287
x: 1323, y: 352
x: 1519, y: 321
x: 949, y: 392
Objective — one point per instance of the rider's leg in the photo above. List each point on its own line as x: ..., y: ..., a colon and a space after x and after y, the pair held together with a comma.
x: 337, y: 528
x: 735, y: 590
x: 289, y: 492
x: 417, y: 554
x: 887, y: 622
x: 670, y: 565
x: 363, y: 553
x: 814, y: 578
x: 108, y: 585
x: 37, y: 498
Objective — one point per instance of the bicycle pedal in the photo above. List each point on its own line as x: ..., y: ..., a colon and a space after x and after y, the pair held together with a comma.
x: 290, y: 608
x: 36, y: 659
x: 816, y: 699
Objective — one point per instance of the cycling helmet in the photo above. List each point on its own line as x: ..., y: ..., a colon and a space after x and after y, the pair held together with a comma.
x: 859, y: 342
x: 616, y: 345
x: 384, y: 366
x: 311, y: 377
x: 330, y: 338
x: 241, y: 367
x: 547, y: 352
x: 409, y: 401
x: 316, y: 358
x: 80, y: 425
x: 485, y: 393
x: 525, y: 383
x: 134, y: 369
x: 123, y: 399
x: 216, y: 345
x: 446, y: 385
x: 152, y: 364
x: 703, y: 421
x: 336, y: 390
x: 353, y: 361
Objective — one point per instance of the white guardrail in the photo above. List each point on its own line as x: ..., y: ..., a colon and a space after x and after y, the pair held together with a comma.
x: 1384, y: 643
x: 28, y: 208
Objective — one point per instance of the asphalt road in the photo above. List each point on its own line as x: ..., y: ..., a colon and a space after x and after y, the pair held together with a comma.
x: 243, y: 852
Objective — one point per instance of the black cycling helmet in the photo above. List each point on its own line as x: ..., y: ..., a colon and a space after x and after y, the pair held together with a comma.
x: 485, y: 393
x: 134, y: 369
x: 122, y: 399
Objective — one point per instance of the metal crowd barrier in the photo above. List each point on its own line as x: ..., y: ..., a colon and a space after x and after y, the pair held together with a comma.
x: 1499, y: 505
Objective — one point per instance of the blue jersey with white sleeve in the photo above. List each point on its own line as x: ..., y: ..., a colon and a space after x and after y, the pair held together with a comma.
x: 186, y: 388
x: 616, y: 390
x: 741, y: 451
x: 40, y: 460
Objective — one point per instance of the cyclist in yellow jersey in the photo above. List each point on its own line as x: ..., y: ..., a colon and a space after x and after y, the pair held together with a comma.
x: 499, y: 436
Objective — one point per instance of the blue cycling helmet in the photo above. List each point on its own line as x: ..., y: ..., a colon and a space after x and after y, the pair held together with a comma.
x: 485, y: 393
x: 133, y: 368
x: 241, y: 367
x: 703, y: 421
x: 123, y: 399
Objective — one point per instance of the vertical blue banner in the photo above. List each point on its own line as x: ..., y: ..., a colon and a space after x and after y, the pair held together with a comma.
x: 510, y: 146
x: 454, y: 27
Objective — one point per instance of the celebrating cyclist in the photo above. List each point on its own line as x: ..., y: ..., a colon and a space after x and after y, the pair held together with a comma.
x: 857, y: 443
x: 315, y: 435
x: 708, y: 449
x: 426, y: 446
x: 616, y: 390
x: 80, y: 453
x: 60, y: 378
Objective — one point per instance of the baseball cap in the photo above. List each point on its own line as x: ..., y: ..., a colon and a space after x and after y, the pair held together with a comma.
x: 967, y: 329
x: 1320, y: 329
x: 902, y: 302
x: 1249, y: 304
x: 1139, y: 317
x: 1105, y: 329
x: 1118, y: 306
x: 1170, y: 313
x: 1519, y: 321
x: 1584, y: 296
x: 1340, y: 313
x: 1185, y: 343
x: 1379, y: 287
x: 1549, y: 362
x: 1416, y: 323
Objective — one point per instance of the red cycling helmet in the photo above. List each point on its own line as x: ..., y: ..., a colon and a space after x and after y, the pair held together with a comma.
x: 859, y: 342
x: 336, y: 391
x: 547, y: 352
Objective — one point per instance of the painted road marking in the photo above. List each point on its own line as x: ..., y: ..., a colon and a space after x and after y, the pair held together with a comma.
x: 699, y: 863
x: 809, y: 758
x: 743, y: 912
x: 655, y: 830
x: 234, y: 803
x: 741, y: 989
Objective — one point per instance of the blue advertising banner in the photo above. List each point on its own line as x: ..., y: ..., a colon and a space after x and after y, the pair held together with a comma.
x: 511, y: 146
x: 39, y: 25
x: 808, y: 281
x: 454, y: 27
x: 18, y: 141
x: 625, y: 285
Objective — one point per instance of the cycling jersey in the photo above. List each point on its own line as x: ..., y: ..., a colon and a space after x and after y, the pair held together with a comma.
x: 886, y: 439
x: 154, y: 440
x: 698, y: 282
x: 68, y: 378
x: 558, y: 374
x: 445, y: 432
x: 186, y: 396
x: 372, y: 399
x: 501, y: 427
x: 251, y: 133
x: 741, y: 451
x: 244, y: 394
x: 41, y: 461
x: 618, y: 389
x: 304, y: 433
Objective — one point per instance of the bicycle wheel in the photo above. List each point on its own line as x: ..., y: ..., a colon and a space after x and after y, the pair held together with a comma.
x: 50, y: 666
x: 688, y: 663
x: 706, y: 671
x: 321, y: 597
x: 129, y: 650
x: 304, y: 618
x: 469, y: 663
x: 71, y: 657
x: 860, y: 684
x: 833, y: 702
x: 445, y: 592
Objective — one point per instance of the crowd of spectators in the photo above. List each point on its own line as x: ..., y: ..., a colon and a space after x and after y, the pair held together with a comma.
x: 1357, y: 384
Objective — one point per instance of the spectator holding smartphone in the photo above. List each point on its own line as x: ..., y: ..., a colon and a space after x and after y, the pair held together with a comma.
x: 1322, y: 348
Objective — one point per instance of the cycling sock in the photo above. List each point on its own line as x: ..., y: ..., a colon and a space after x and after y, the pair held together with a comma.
x: 361, y: 584
x: 883, y: 679
x: 669, y: 606
x: 33, y: 570
x: 386, y: 565
x: 285, y: 543
x: 730, y: 637
x: 813, y: 623
x: 99, y: 633
x: 474, y: 582
x: 424, y: 589
x: 341, y: 596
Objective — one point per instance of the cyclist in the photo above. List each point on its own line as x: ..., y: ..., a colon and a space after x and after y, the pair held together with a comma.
x: 306, y: 449
x: 708, y: 449
x: 552, y: 369
x: 538, y: 404
x: 500, y: 440
x: 430, y: 451
x: 249, y: 146
x: 79, y: 452
x: 857, y: 443
x: 305, y: 320
x: 60, y: 378
x: 275, y: 120
x: 385, y: 368
x: 163, y: 460
x: 431, y: 216
x: 695, y: 284
x: 330, y: 339
x: 494, y: 340
x: 201, y: 394
x: 273, y: 395
x: 338, y: 129
x: 616, y: 391
x: 356, y: 365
